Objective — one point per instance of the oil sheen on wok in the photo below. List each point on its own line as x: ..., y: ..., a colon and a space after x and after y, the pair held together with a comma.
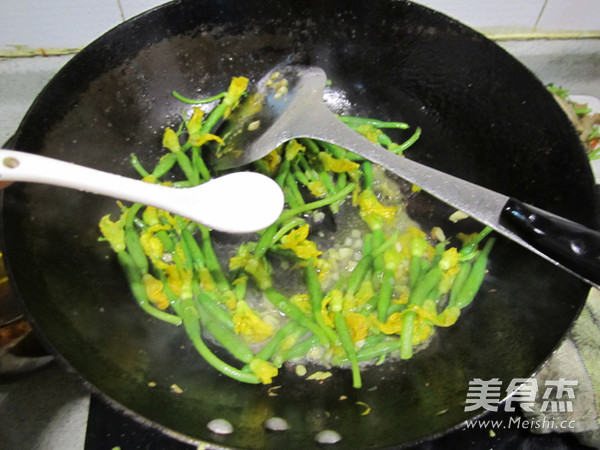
x: 344, y: 277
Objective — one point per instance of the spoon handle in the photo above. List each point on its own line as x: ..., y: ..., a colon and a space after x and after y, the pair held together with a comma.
x: 239, y: 202
x: 29, y: 167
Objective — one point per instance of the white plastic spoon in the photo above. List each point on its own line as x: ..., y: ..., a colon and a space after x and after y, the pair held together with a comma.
x: 240, y: 202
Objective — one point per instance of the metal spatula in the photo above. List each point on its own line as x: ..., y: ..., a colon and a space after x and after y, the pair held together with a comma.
x: 288, y: 103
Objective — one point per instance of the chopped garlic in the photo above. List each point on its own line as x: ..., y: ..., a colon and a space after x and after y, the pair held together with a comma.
x: 458, y: 215
x: 319, y: 376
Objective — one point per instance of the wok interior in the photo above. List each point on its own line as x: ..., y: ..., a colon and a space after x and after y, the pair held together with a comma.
x: 484, y: 117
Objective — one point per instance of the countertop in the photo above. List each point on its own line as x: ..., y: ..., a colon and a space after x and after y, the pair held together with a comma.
x: 48, y: 408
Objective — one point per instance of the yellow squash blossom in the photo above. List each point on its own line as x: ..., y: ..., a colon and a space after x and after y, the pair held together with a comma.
x: 199, y: 139
x: 416, y: 244
x: 292, y: 148
x: 450, y: 259
x: 397, y: 261
x: 333, y: 297
x: 296, y: 240
x: 302, y: 302
x: 272, y: 161
x: 171, y: 140
x: 113, y: 232
x: 426, y: 316
x: 259, y: 268
x: 150, y: 216
x: 179, y: 280
x: 236, y: 89
x: 372, y: 211
x: 421, y: 332
x: 358, y: 325
x: 450, y: 267
x: 448, y: 317
x: 151, y: 179
x: 371, y: 132
x: 171, y: 220
x: 323, y: 267
x: 154, y: 291
x: 230, y: 300
x: 152, y: 245
x: 194, y: 125
x: 393, y: 325
x: 249, y: 325
x: 207, y: 282
x: 288, y: 342
x: 241, y: 259
x: 264, y: 370
x: 317, y: 188
x: 338, y: 165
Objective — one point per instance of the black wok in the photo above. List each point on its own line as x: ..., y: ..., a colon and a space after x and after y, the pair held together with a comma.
x: 484, y: 118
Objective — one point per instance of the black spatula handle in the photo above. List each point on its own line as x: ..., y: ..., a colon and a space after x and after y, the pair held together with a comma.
x: 572, y: 245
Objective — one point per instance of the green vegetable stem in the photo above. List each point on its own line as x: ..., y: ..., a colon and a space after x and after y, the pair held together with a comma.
x: 367, y: 300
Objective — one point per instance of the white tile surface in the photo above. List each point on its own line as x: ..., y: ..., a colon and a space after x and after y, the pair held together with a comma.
x: 571, y: 63
x: 21, y: 80
x: 55, y: 23
x: 518, y: 15
x: 132, y: 8
x: 71, y: 24
x: 570, y: 15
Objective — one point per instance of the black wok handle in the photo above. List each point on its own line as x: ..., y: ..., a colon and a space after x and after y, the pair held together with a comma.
x: 570, y: 244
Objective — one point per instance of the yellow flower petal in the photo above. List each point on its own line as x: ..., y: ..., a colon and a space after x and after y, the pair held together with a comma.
x: 370, y: 132
x: 199, y: 139
x: 302, y: 301
x: 317, y: 188
x: 150, y: 216
x: 194, y: 125
x: 372, y: 211
x: 358, y: 325
x: 272, y: 160
x: 113, y: 232
x: 249, y: 325
x: 207, y: 282
x: 171, y: 140
x: 154, y: 291
x: 153, y: 246
x: 263, y: 370
x: 337, y: 164
x: 393, y: 325
x: 292, y: 148
x: 335, y: 296
x: 236, y: 89
x: 296, y: 241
